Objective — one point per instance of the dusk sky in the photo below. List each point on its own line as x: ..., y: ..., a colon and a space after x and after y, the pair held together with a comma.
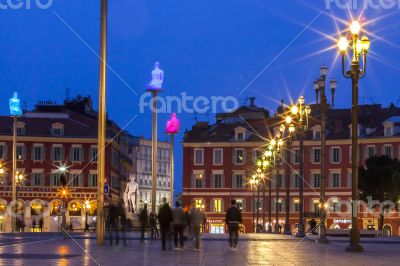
x: 206, y: 48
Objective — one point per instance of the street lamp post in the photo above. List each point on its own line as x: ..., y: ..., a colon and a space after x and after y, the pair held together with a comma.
x: 87, y: 208
x: 360, y: 49
x: 100, y: 221
x: 319, y: 87
x: 252, y: 182
x: 300, y: 113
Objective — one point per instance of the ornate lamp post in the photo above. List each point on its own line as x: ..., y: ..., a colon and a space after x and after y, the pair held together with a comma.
x: 287, y: 132
x: 172, y: 129
x: 299, y: 119
x: 360, y: 49
x: 319, y: 87
x: 87, y: 209
x: 263, y: 167
x: 253, y: 184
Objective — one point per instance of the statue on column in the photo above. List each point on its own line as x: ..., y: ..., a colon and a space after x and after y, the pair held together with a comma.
x: 173, y: 125
x: 157, y: 76
x: 130, y: 194
x: 15, y: 106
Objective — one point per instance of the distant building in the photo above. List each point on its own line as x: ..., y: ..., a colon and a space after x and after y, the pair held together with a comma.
x: 49, y: 137
x: 219, y: 159
x: 140, y: 152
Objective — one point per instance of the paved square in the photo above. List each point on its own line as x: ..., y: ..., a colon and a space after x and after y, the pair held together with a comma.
x: 35, y: 249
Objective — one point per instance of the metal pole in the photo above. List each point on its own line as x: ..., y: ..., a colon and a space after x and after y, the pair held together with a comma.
x: 102, y: 125
x: 322, y: 226
x: 172, y: 169
x: 263, y: 201
x: 277, y: 179
x: 300, y: 230
x: 154, y: 154
x: 254, y: 209
x: 258, y: 206
x: 287, y: 199
x: 354, y: 231
x: 14, y: 178
x: 269, y: 206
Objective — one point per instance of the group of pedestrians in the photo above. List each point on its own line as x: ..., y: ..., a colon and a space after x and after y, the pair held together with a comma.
x: 175, y: 222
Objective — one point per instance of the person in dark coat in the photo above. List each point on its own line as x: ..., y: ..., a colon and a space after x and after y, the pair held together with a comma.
x: 165, y: 219
x: 124, y: 221
x: 144, y: 220
x: 113, y: 222
x: 41, y: 224
x: 233, y: 219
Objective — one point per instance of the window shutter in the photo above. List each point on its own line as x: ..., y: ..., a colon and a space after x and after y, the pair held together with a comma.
x: 62, y: 153
x: 283, y: 181
x: 33, y: 153
x: 340, y: 154
x: 223, y: 181
x: 222, y: 205
x: 52, y: 152
x: 312, y: 155
x: 42, y: 181
x: 43, y: 154
x: 254, y: 156
x: 331, y: 155
x: 234, y: 181
x: 330, y: 180
x: 244, y: 205
x: 204, y: 181
x: 366, y: 153
x: 90, y: 180
x: 23, y: 152
x: 233, y: 156
x: 81, y: 155
x: 244, y: 156
x: 193, y: 181
x: 212, y: 205
x: 71, y: 154
x: 312, y: 180
x: 212, y: 181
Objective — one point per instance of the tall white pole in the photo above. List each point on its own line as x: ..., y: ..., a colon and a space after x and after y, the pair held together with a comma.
x: 154, y: 154
x: 14, y: 173
x: 102, y: 125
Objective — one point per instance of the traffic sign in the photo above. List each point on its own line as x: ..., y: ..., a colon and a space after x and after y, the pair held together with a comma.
x: 106, y: 189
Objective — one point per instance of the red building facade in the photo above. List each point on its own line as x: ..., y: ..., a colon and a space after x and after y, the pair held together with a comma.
x: 50, y: 139
x: 218, y: 161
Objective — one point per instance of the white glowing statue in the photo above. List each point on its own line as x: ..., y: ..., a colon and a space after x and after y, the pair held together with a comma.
x: 130, y: 194
x: 15, y: 106
x: 157, y: 76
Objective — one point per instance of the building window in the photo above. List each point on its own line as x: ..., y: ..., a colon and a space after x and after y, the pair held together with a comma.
x: 240, y: 136
x: 388, y: 131
x: 238, y: 181
x: 199, y: 203
x: 57, y: 129
x: 38, y: 153
x: 315, y: 206
x: 239, y: 156
x: 93, y: 180
x: 336, y: 180
x: 75, y: 180
x: 316, y: 155
x: 76, y: 154
x: 370, y: 153
x: 279, y: 180
x: 93, y: 154
x: 334, y: 206
x: 198, y: 180
x: 317, y: 134
x: 57, y: 154
x: 296, y: 181
x: 217, y: 181
x: 115, y: 158
x: 258, y: 204
x: 217, y: 205
x: 3, y: 152
x: 198, y: 156
x: 218, y: 157
x: 388, y: 151
x: 296, y: 204
x: 240, y: 204
x: 21, y: 152
x: 317, y: 180
x: 336, y: 155
x: 55, y: 180
x: 21, y: 131
x: 37, y: 179
x: 296, y: 156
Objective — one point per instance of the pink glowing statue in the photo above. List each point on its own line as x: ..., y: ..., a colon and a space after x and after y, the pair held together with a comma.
x: 173, y: 125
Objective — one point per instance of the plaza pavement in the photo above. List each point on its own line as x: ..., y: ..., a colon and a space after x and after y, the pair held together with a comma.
x: 270, y: 249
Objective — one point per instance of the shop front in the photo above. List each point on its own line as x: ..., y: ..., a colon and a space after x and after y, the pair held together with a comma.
x: 215, y: 226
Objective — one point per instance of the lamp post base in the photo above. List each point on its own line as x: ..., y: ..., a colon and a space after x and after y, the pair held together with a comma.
x: 269, y: 229
x: 300, y: 231
x: 322, y: 235
x: 287, y: 229
x: 354, y: 248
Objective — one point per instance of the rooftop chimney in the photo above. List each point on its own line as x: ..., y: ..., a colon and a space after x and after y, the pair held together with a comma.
x: 252, y: 99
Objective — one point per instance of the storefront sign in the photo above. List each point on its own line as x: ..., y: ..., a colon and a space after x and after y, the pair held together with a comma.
x: 342, y: 221
x: 214, y: 221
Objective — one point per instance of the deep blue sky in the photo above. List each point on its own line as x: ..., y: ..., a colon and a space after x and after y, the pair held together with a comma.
x: 209, y: 48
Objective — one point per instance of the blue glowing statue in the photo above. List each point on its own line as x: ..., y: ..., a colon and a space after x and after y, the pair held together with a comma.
x: 157, y: 76
x: 15, y: 106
